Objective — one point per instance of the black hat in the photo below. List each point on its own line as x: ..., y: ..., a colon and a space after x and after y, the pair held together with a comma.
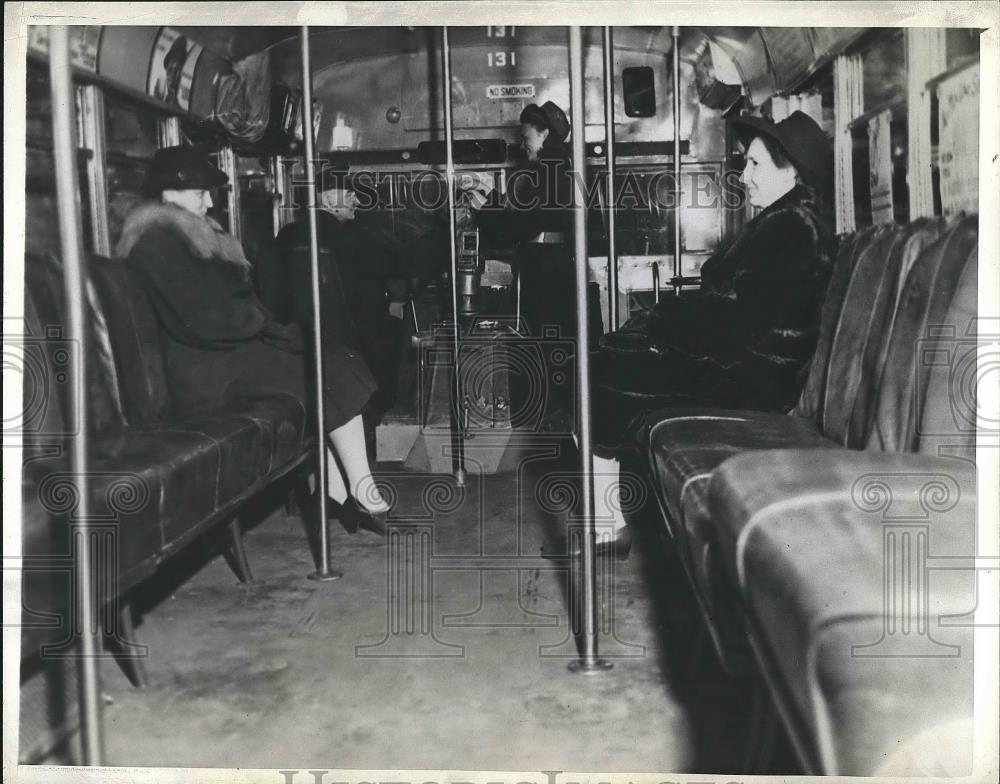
x: 802, y: 140
x: 548, y: 116
x: 182, y: 168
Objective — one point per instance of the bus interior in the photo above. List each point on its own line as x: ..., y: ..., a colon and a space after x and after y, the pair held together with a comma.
x: 801, y: 593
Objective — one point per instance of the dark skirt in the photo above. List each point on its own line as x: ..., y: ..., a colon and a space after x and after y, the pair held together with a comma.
x: 548, y: 292
x: 629, y: 387
x: 202, y: 379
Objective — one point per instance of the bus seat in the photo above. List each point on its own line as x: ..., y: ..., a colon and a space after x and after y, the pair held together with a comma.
x: 43, y: 286
x: 135, y: 339
x: 806, y: 538
x: 683, y: 453
x: 884, y: 396
x: 924, y: 305
x: 158, y: 477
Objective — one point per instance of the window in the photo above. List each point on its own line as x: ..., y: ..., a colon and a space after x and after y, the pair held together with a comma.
x: 644, y: 223
x: 131, y: 131
x: 884, y: 64
x: 41, y: 214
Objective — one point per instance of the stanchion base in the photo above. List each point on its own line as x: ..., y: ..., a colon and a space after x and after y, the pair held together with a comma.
x: 460, y: 477
x: 325, y: 577
x: 589, y: 666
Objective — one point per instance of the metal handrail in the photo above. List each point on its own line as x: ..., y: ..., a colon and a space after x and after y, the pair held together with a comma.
x: 675, y: 33
x: 324, y: 573
x: 609, y: 141
x: 459, y: 457
x: 74, y: 275
x: 588, y: 661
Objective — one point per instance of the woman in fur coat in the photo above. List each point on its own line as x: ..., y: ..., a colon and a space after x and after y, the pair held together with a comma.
x: 222, y: 344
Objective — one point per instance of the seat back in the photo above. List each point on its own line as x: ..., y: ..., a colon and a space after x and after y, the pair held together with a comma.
x: 812, y: 398
x: 910, y: 242
x: 51, y: 349
x: 43, y: 418
x: 935, y: 304
x: 136, y: 341
x: 947, y: 423
x: 858, y: 322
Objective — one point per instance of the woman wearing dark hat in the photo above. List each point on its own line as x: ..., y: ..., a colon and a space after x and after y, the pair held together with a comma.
x: 746, y: 340
x: 222, y: 343
x: 537, y: 219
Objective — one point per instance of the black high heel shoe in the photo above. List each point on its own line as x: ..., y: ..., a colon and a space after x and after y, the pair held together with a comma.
x: 338, y: 511
x: 618, y: 548
x: 364, y: 518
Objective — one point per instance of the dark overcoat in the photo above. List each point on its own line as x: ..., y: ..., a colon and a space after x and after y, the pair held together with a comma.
x: 362, y: 262
x: 540, y: 200
x: 221, y: 342
x: 743, y: 341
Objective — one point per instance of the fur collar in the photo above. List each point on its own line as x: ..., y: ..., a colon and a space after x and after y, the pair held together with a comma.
x: 205, y: 238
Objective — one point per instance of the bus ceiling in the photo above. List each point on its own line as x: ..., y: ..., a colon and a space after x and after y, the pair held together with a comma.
x: 383, y: 83
x: 772, y: 56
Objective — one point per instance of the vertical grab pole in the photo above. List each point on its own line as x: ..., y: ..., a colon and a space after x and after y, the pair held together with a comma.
x: 675, y: 33
x: 588, y: 661
x: 609, y: 143
x: 71, y: 245
x: 324, y: 573
x: 459, y: 458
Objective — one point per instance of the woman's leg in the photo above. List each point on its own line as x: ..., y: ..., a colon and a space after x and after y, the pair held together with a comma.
x: 349, y: 444
x: 335, y: 487
x: 607, y: 491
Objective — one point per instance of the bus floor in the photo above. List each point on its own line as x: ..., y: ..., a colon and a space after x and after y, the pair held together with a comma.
x: 445, y: 647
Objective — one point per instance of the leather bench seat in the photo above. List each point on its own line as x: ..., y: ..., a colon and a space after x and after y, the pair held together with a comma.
x: 159, y: 477
x: 775, y: 545
x: 828, y: 550
x: 688, y: 445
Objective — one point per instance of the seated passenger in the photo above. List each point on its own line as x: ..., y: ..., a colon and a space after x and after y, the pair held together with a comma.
x: 223, y: 345
x: 375, y: 272
x: 746, y: 339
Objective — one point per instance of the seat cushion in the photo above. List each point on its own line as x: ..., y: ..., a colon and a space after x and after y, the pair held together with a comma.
x: 811, y: 539
x: 151, y: 491
x: 234, y: 451
x: 687, y: 444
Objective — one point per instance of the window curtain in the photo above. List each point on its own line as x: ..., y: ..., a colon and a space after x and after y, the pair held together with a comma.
x: 848, y: 104
x: 925, y: 58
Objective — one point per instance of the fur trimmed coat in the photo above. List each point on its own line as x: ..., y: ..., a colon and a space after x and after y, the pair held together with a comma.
x: 222, y: 344
x: 744, y: 341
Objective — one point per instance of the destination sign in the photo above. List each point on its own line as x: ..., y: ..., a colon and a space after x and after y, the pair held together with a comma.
x: 510, y: 91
